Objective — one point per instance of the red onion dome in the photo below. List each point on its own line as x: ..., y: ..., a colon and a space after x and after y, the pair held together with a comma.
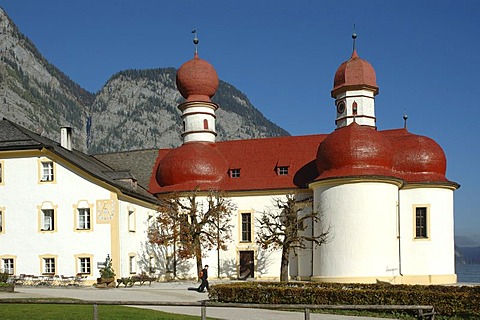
x: 192, y: 162
x: 418, y: 158
x: 354, y: 150
x: 354, y: 73
x: 197, y: 80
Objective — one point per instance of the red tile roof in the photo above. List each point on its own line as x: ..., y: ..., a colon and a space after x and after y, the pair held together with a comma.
x: 352, y: 151
x: 258, y: 160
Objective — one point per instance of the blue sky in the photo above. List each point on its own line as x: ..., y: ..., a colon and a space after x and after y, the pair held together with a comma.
x: 283, y: 56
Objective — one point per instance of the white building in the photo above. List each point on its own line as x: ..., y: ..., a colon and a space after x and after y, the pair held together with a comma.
x: 62, y: 212
x: 383, y: 195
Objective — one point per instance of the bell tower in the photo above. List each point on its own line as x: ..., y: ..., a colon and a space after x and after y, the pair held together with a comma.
x: 197, y: 82
x: 354, y: 90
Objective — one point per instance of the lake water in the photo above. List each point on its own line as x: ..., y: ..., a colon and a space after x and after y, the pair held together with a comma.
x: 468, y: 273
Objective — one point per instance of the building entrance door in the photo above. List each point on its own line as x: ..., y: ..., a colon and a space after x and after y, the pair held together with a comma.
x: 246, y: 264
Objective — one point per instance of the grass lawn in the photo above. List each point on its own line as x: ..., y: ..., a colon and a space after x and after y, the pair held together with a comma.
x: 9, y: 311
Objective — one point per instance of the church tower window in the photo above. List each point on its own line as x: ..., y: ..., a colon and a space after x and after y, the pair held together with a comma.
x: 421, y: 223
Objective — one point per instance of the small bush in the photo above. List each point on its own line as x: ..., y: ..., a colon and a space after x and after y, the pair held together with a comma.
x: 4, y: 277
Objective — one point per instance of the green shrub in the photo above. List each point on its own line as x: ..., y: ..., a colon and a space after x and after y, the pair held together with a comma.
x: 4, y: 277
x: 447, y: 300
x: 107, y: 271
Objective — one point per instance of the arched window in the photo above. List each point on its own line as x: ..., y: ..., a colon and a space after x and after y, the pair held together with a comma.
x: 205, y: 124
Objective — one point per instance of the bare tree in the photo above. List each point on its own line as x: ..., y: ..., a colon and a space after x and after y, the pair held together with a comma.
x: 189, y: 223
x: 283, y: 227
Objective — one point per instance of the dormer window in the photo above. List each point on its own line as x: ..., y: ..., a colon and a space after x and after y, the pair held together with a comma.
x: 282, y: 171
x: 234, y: 173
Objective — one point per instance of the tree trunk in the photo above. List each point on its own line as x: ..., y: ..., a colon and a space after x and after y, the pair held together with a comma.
x: 198, y: 255
x: 284, y: 265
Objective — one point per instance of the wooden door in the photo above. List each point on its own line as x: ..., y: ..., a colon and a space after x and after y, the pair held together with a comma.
x: 247, y: 265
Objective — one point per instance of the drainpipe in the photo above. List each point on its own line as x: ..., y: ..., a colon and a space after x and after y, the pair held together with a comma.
x: 313, y: 246
x: 398, y: 236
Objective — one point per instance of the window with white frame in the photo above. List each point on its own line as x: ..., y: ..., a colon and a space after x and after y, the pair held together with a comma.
x: 132, y: 264
x: 234, y: 173
x: 131, y: 220
x: 48, y: 220
x: 282, y: 170
x: 8, y: 265
x: 246, y: 227
x: 47, y: 171
x: 84, y: 265
x: 49, y: 265
x: 84, y: 219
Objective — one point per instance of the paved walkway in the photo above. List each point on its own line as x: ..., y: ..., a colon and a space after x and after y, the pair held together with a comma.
x: 164, y: 291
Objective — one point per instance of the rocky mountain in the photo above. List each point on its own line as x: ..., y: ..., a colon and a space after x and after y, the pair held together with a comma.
x: 138, y: 108
x: 135, y: 109
x: 34, y: 93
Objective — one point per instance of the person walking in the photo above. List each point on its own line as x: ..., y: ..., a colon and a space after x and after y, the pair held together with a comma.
x: 204, y: 278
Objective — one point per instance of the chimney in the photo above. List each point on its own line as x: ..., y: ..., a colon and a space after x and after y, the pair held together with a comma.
x: 66, y: 137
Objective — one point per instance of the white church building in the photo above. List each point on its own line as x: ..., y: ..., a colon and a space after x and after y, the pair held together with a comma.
x: 383, y: 195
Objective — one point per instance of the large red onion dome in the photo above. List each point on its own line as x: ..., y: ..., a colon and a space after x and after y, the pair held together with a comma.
x: 197, y: 80
x: 192, y: 162
x: 354, y: 73
x: 354, y: 150
x: 418, y: 158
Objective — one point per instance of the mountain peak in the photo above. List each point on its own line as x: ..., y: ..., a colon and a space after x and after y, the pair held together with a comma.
x: 135, y: 109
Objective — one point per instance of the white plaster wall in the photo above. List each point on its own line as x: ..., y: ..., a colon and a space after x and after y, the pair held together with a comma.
x: 21, y: 194
x: 435, y: 255
x: 365, y: 107
x: 134, y: 240
x: 363, y: 230
x: 199, y: 136
x: 267, y: 263
x: 303, y: 260
x: 193, y: 118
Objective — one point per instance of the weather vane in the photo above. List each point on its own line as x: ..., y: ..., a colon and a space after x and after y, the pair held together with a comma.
x: 354, y: 37
x: 405, y: 117
x: 195, y: 39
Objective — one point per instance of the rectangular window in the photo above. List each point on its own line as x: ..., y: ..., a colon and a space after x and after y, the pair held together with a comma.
x: 131, y: 263
x: 246, y: 227
x: 8, y: 265
x: 131, y: 221
x: 47, y: 171
x: 84, y: 219
x: 84, y: 265
x: 421, y: 220
x: 282, y: 171
x: 1, y: 172
x: 49, y: 265
x: 48, y: 220
x: 234, y: 173
x: 1, y: 222
x: 151, y: 264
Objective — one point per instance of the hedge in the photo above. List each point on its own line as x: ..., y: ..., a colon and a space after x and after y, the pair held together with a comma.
x: 462, y: 301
